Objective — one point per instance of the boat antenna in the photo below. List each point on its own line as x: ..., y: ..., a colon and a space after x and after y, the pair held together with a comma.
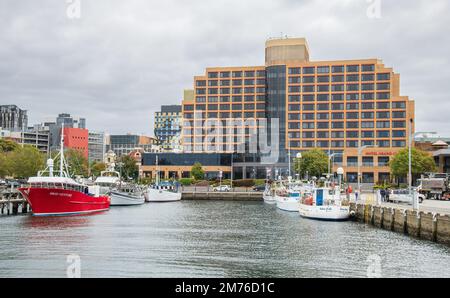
x: 61, y: 152
x: 157, y: 171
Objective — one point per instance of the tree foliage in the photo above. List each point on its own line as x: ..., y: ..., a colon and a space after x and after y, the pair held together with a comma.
x: 97, y: 168
x: 197, y: 171
x: 313, y: 162
x: 7, y: 145
x: 22, y: 162
x: 421, y: 162
x: 128, y: 168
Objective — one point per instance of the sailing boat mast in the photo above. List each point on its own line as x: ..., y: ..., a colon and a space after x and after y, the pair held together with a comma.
x: 61, y: 152
x: 157, y: 171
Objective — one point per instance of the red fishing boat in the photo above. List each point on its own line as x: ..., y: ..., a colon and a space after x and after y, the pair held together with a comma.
x: 51, y: 195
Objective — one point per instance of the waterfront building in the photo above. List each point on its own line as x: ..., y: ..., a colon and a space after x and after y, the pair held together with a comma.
x: 124, y: 144
x: 77, y: 139
x: 175, y: 165
x: 38, y: 139
x: 168, y: 123
x: 13, y: 118
x: 96, y: 146
x: 344, y: 107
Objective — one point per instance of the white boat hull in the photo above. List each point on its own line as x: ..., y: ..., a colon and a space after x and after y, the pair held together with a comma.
x: 324, y: 212
x: 269, y: 199
x: 287, y: 204
x: 159, y: 195
x: 123, y: 199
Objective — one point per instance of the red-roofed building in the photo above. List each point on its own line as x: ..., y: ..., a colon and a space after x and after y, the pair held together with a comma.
x: 76, y: 138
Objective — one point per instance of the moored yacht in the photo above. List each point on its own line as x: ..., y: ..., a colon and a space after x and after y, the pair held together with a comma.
x: 162, y: 191
x: 325, y: 204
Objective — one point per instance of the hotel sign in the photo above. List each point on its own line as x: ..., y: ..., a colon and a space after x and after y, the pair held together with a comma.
x: 380, y: 153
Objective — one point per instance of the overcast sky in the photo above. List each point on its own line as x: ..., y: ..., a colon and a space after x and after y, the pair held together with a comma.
x: 120, y: 60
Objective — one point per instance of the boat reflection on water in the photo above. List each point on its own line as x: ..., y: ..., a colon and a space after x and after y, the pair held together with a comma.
x: 59, y: 222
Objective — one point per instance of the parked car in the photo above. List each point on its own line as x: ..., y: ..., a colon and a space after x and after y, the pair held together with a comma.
x: 2, y: 182
x: 402, y: 196
x: 225, y: 188
x: 259, y: 187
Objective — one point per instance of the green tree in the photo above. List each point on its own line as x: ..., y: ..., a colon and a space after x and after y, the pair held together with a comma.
x: 128, y: 168
x: 197, y: 171
x: 24, y: 162
x: 313, y: 162
x: 77, y: 162
x: 421, y: 162
x: 7, y: 145
x: 97, y: 168
x: 4, y: 165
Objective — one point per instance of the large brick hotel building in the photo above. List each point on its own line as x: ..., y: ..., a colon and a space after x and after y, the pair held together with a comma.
x: 338, y: 106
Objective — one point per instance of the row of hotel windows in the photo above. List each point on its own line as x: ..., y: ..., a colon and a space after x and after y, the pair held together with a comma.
x: 340, y: 87
x: 237, y: 74
x: 354, y: 115
x: 340, y: 96
x: 370, y: 134
x: 231, y: 90
x: 339, y: 78
x: 226, y: 115
x: 348, y: 144
x: 334, y: 69
x: 350, y: 124
x: 226, y: 107
x: 348, y: 106
x: 236, y: 82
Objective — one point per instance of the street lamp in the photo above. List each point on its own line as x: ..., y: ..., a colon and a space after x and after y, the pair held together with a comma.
x: 331, y: 156
x: 340, y: 172
x: 299, y: 156
x: 360, y: 150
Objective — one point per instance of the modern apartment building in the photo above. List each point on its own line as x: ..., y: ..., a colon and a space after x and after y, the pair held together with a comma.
x: 96, y: 146
x: 344, y: 107
x: 13, y: 118
x: 125, y: 144
x: 168, y: 124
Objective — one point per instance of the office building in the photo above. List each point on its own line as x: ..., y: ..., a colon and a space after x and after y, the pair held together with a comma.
x: 77, y: 139
x: 13, y: 118
x: 168, y: 124
x: 96, y: 146
x: 124, y: 144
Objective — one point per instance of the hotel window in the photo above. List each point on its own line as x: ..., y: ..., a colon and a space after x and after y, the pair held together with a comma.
x: 201, y: 91
x: 188, y: 107
x: 224, y: 90
x: 224, y: 107
x: 237, y: 82
x: 307, y: 144
x: 337, y: 79
x: 294, y: 98
x: 308, y: 125
x: 353, y: 96
x: 368, y: 67
x: 398, y: 143
x: 322, y: 116
x: 352, y: 115
x: 367, y: 96
x: 213, y: 91
x: 294, y: 107
x: 294, y: 70
x: 383, y: 161
x: 383, y: 115
x: 260, y: 82
x: 294, y: 89
x: 308, y: 88
x: 237, y: 90
x: 323, y: 107
x: 213, y: 75
x: 338, y: 88
x: 323, y: 97
x: 367, y: 105
x: 352, y: 106
x: 322, y: 144
x: 367, y: 87
x: 398, y: 124
x: 337, y: 125
x: 249, y: 115
x: 352, y: 134
x: 236, y: 107
x: 200, y: 108
x: 322, y: 134
x: 295, y: 116
x: 367, y: 134
x: 337, y: 134
x: 237, y: 115
x: 308, y: 70
x: 213, y: 99
x: 335, y: 116
x: 323, y: 79
x: 225, y: 83
x: 308, y: 116
x: 383, y: 76
x: 323, y: 69
x: 383, y: 124
x: 398, y: 114
x: 249, y: 74
x: 249, y: 98
x: 352, y: 78
x: 200, y: 99
x: 260, y: 97
x: 383, y: 134
x: 224, y: 99
x: 249, y: 90
x: 352, y: 124
x: 367, y: 115
x: 294, y: 135
x: 248, y: 82
x: 260, y: 73
x: 237, y: 98
x: 398, y: 133
x: 294, y: 80
x: 294, y: 125
x: 212, y: 115
x: 337, y: 69
x: 225, y: 74
x: 308, y: 97
x: 352, y: 87
x: 308, y: 80
x: 308, y: 135
x: 383, y: 86
x: 352, y: 68
x: 337, y: 97
x: 323, y: 88
x: 383, y: 143
x: 201, y: 83
x: 399, y: 105
x: 260, y: 114
x: 295, y: 144
x: 367, y: 124
x: 323, y: 125
x: 383, y: 105
x: 308, y: 107
x: 337, y: 144
x: 260, y: 90
x: 352, y: 144
x: 367, y: 77
x: 383, y: 95
x: 249, y: 106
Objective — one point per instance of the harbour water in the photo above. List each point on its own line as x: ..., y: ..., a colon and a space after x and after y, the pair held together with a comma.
x: 210, y: 239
